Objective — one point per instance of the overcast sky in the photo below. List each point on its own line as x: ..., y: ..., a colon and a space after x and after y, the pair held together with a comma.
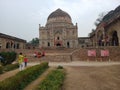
x: 21, y: 18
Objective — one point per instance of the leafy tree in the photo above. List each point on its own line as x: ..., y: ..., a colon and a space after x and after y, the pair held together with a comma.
x: 97, y: 22
x: 100, y: 18
x: 92, y: 32
x: 34, y: 41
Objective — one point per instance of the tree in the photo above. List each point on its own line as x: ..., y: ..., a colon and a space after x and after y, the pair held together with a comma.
x: 92, y: 32
x: 99, y: 19
x: 97, y: 22
x: 34, y: 41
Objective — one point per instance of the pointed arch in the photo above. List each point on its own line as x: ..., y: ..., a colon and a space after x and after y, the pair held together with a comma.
x: 8, y: 45
x: 68, y: 44
x: 115, y: 41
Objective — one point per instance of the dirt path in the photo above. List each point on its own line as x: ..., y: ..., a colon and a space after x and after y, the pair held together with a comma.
x: 92, y: 78
x: 35, y: 83
x: 8, y: 74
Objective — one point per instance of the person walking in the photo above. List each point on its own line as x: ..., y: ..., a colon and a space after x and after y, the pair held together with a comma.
x: 25, y: 61
x: 20, y: 61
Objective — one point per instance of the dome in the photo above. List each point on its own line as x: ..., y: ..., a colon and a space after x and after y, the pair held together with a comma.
x: 57, y: 17
x: 58, y: 13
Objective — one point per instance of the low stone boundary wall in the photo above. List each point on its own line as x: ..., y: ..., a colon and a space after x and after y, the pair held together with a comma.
x: 56, y: 58
x: 82, y: 54
x: 79, y: 54
x: 52, y: 58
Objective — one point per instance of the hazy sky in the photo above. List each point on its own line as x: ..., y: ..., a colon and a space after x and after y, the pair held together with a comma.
x: 21, y: 18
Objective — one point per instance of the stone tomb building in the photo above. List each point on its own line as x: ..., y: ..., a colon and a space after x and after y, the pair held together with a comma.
x: 59, y: 31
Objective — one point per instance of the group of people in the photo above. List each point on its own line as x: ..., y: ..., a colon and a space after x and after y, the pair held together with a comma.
x: 39, y: 54
x: 22, y: 60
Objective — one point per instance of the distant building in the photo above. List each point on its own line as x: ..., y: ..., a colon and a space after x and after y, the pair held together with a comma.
x: 31, y: 46
x: 84, y: 42
x: 59, y: 31
x: 10, y: 42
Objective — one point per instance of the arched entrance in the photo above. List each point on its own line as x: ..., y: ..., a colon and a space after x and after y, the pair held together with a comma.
x: 58, y: 44
x: 58, y: 39
x: 18, y: 46
x: 68, y: 44
x: 100, y: 39
x: 115, y: 41
x: 48, y: 44
x: 8, y: 45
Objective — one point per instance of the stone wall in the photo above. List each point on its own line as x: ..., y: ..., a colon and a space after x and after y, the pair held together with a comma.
x: 68, y: 55
x: 51, y: 58
x: 55, y: 55
x: 82, y: 55
x: 56, y: 58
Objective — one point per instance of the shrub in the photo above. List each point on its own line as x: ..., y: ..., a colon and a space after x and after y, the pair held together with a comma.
x: 1, y: 70
x: 53, y: 81
x: 10, y: 67
x: 23, y: 78
x: 9, y: 57
x: 60, y: 67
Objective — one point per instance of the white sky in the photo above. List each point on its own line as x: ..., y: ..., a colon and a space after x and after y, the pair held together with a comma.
x: 21, y: 18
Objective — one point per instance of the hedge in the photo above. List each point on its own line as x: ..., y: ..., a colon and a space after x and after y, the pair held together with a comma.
x: 1, y: 69
x: 8, y: 68
x: 23, y: 78
x: 9, y: 57
x: 53, y: 81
